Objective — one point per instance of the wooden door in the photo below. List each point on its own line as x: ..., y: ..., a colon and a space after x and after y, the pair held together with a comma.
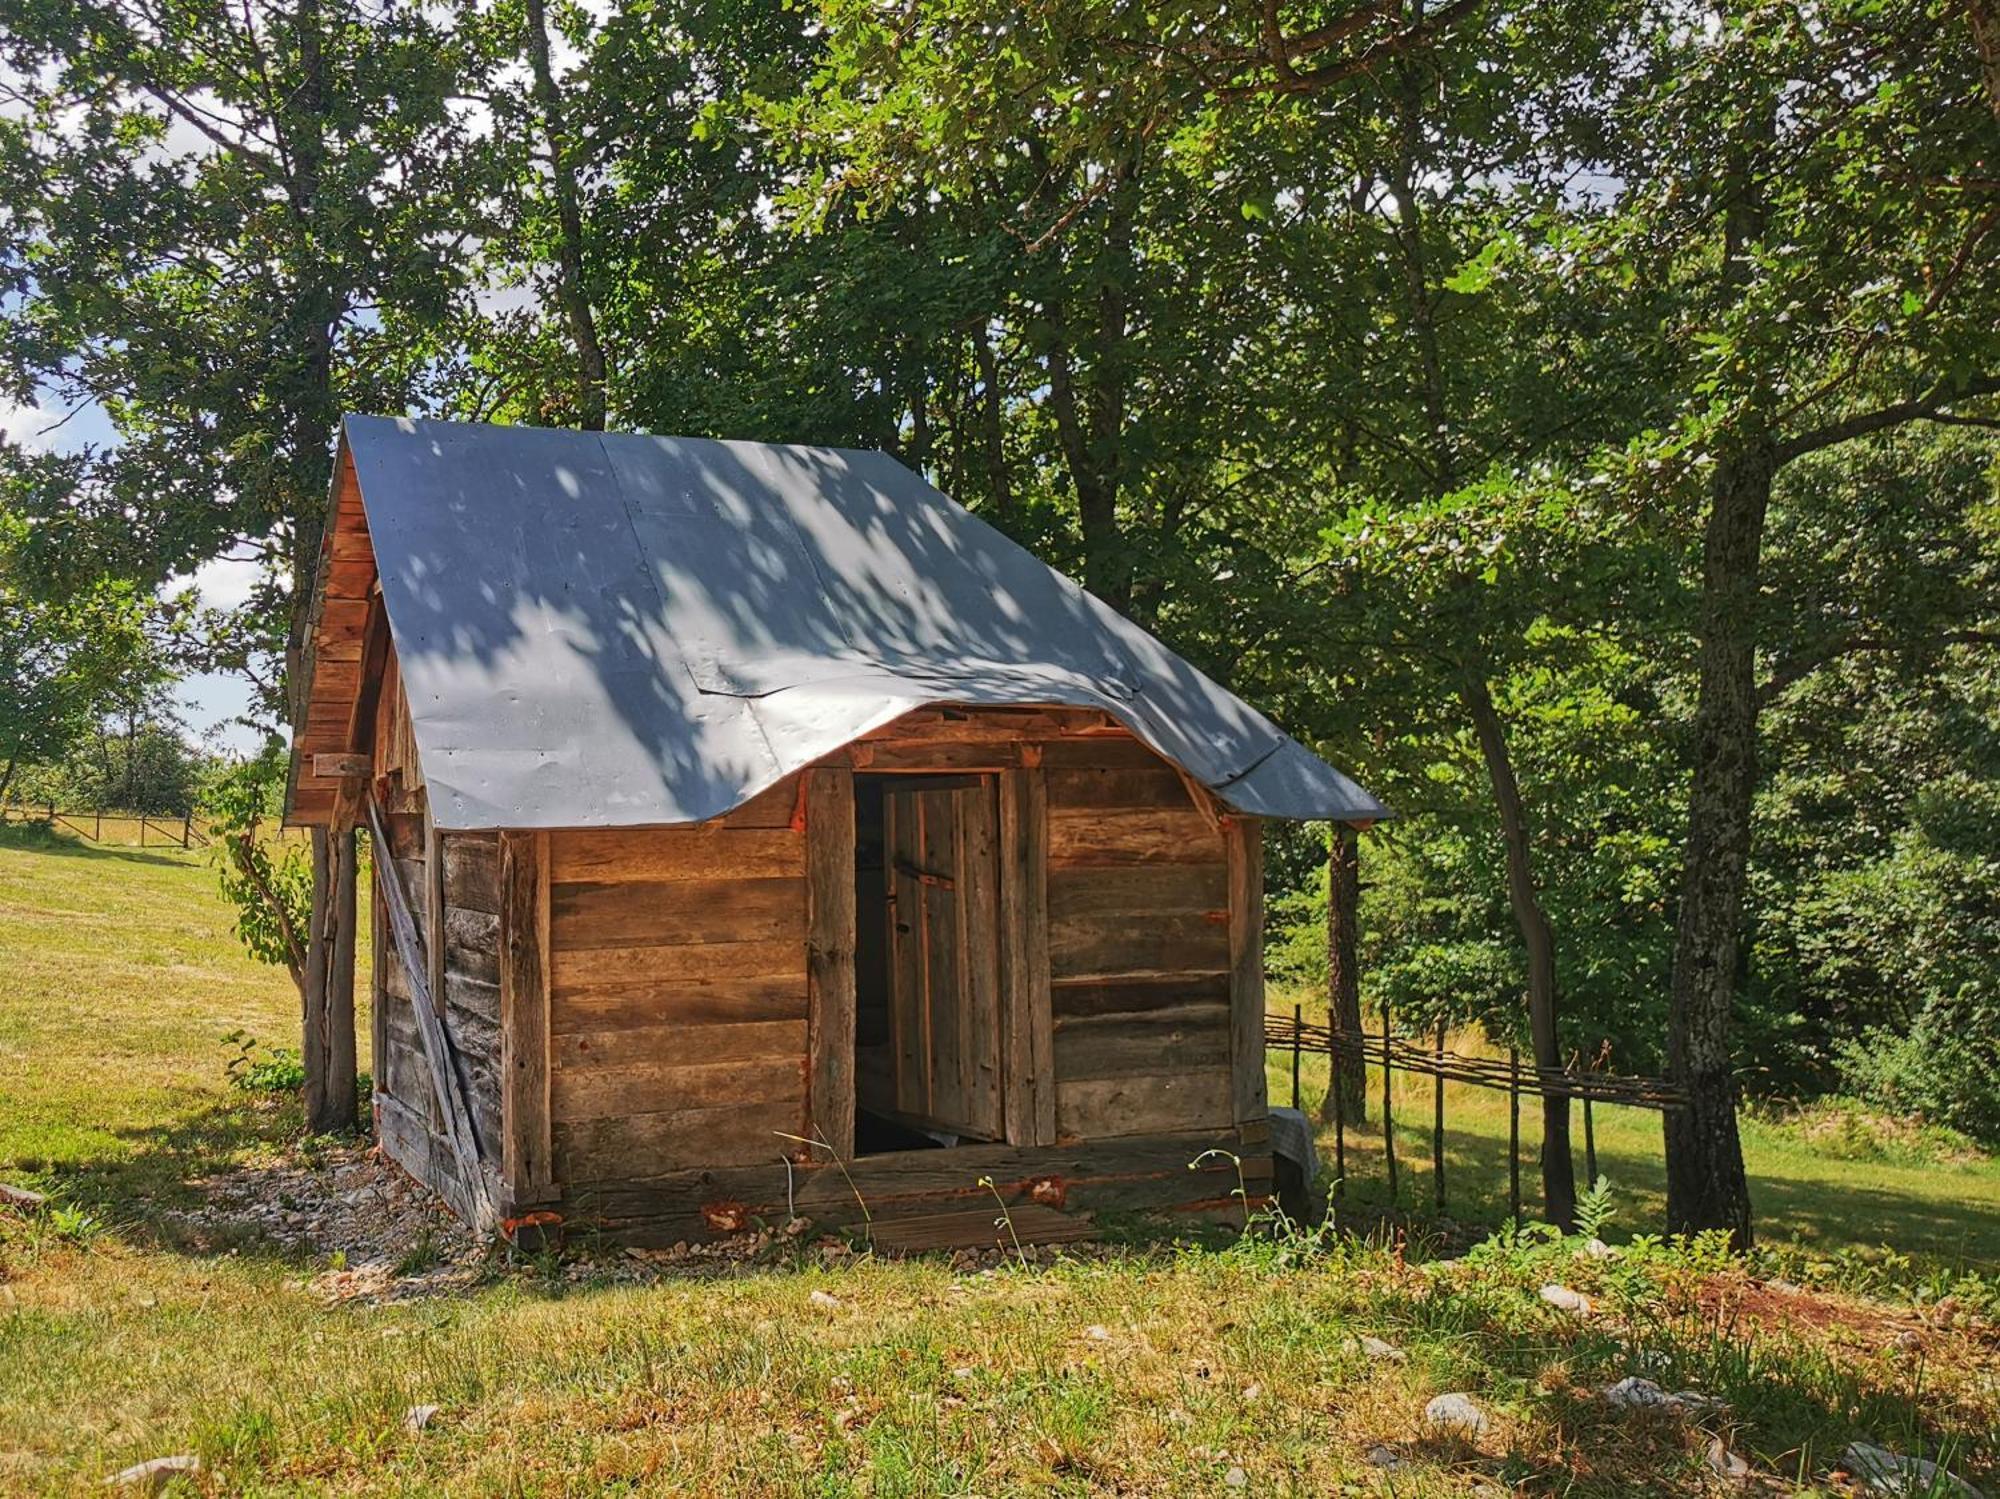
x: 941, y: 840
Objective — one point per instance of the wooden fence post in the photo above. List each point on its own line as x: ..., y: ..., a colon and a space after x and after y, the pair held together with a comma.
x: 1514, y: 1132
x: 1388, y: 1112
x: 1298, y: 1022
x: 1589, y: 1145
x: 1437, y: 1121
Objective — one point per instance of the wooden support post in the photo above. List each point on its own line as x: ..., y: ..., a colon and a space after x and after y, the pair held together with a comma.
x: 328, y: 1052
x: 830, y: 998
x: 1437, y: 1122
x: 312, y: 996
x: 187, y: 827
x: 527, y: 1160
x: 1388, y: 1110
x: 1298, y: 1023
x: 1246, y: 968
x: 1514, y: 1133
x: 1029, y: 1099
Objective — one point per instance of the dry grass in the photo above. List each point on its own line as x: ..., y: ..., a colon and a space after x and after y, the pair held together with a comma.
x: 1161, y: 1371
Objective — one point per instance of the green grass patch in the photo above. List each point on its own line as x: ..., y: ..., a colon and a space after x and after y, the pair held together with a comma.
x: 1163, y: 1370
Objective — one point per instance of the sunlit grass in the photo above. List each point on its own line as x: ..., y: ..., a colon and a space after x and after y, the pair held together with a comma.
x: 1163, y: 1372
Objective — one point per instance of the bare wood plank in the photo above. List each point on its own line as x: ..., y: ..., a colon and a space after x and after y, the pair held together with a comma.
x: 944, y: 943
x: 1140, y: 890
x: 1125, y: 994
x: 620, y: 1148
x: 743, y: 1041
x: 1140, y: 1103
x: 772, y: 808
x: 471, y: 940
x: 527, y: 1157
x: 956, y: 756
x: 1246, y: 967
x: 1104, y: 752
x: 1199, y: 1043
x: 768, y: 997
x: 587, y: 972
x: 830, y: 941
x: 979, y: 900
x: 908, y: 1034
x: 660, y: 1086
x: 1106, y: 946
x: 450, y: 1101
x: 1090, y: 835
x: 1127, y: 787
x: 472, y: 872
x: 1034, y: 913
x: 670, y: 854
x: 342, y: 764
x: 640, y: 913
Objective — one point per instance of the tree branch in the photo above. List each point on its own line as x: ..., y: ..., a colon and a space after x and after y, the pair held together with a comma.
x: 1927, y: 407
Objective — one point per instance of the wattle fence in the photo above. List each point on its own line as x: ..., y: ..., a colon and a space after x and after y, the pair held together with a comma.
x: 1392, y: 1054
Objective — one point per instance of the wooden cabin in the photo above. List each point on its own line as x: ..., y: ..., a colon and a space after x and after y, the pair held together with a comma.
x: 757, y: 830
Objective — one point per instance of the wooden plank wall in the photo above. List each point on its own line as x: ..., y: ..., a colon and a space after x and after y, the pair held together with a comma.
x: 677, y: 979
x: 1139, y: 947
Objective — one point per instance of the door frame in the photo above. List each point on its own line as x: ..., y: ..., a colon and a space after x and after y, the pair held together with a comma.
x: 1027, y: 1031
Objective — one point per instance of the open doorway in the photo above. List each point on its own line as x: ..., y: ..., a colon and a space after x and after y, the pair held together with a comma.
x: 927, y: 1031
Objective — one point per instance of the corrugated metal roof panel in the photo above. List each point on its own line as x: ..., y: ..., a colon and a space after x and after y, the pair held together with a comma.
x: 604, y: 630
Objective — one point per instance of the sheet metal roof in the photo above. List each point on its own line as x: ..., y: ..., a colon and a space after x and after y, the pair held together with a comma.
x: 604, y: 630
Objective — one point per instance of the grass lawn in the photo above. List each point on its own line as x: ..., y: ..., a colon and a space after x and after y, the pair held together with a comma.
x: 1861, y: 1198
x: 1153, y: 1370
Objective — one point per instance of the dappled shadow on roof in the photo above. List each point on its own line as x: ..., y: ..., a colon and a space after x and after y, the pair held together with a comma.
x: 627, y: 629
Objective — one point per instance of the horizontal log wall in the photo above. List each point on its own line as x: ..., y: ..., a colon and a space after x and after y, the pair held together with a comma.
x: 1139, y: 957
x: 677, y: 979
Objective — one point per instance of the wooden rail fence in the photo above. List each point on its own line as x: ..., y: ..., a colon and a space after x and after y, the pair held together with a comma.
x: 89, y: 823
x: 1393, y: 1054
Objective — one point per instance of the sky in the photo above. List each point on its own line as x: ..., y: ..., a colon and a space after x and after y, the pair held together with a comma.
x: 212, y: 702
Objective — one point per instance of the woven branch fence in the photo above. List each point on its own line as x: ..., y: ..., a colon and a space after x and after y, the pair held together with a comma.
x: 1392, y: 1054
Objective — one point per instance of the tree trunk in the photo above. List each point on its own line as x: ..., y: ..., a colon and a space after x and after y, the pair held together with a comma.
x: 7, y: 777
x: 991, y: 419
x: 1706, y: 1184
x: 1348, y: 1082
x: 1537, y: 939
x: 571, y: 288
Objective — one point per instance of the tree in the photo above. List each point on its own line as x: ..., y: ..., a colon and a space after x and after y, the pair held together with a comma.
x: 62, y: 663
x: 1809, y: 187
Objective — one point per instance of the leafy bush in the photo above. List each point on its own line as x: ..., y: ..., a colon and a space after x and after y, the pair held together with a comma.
x: 277, y: 1070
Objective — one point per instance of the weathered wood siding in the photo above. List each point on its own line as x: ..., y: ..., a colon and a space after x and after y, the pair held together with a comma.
x: 1139, y: 956
x: 677, y: 981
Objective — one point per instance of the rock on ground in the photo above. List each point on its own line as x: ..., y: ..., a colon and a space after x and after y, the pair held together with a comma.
x: 155, y: 1473
x: 1457, y: 1413
x: 1881, y: 1471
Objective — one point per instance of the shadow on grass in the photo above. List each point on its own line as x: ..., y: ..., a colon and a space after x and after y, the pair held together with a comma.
x: 40, y: 838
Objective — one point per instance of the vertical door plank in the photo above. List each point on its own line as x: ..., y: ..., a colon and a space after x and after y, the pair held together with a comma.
x: 829, y: 794
x: 900, y: 811
x: 978, y: 901
x: 944, y: 939
x: 527, y: 1160
x: 1246, y: 968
